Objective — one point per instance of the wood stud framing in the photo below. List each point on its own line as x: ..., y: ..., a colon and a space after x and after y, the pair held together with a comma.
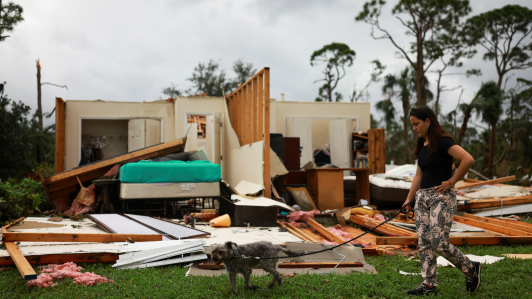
x: 249, y: 111
x: 59, y: 135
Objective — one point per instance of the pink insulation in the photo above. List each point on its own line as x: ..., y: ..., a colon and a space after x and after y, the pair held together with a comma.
x: 302, y: 217
x: 67, y: 270
x: 346, y: 236
x: 43, y: 280
x: 79, y: 208
x: 379, y: 217
x: 326, y: 242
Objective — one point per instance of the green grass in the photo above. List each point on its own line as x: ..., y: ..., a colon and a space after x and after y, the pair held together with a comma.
x: 509, y: 278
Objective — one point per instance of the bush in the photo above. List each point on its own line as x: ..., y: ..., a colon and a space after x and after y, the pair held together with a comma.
x: 20, y: 198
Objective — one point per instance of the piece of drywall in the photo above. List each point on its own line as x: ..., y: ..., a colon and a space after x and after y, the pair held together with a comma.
x: 241, y: 163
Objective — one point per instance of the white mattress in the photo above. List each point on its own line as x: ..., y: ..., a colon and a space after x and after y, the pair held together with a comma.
x: 185, y: 190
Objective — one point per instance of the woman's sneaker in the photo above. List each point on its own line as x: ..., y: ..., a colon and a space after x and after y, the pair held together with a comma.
x: 422, y: 289
x: 472, y: 279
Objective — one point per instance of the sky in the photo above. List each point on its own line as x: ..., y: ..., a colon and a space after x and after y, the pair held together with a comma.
x: 131, y: 50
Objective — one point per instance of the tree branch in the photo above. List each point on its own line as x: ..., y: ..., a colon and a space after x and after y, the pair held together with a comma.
x: 406, y: 25
x: 56, y: 85
x: 395, y: 44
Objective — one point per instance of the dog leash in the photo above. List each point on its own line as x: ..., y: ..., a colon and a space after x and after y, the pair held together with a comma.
x: 402, y: 210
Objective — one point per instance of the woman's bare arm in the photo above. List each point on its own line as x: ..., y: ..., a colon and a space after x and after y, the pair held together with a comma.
x: 466, y: 161
x: 416, y: 183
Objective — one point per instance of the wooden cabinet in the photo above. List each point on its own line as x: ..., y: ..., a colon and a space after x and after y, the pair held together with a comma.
x: 327, y: 187
x: 374, y: 152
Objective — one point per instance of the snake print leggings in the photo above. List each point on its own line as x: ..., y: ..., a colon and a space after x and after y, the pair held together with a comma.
x: 434, y: 218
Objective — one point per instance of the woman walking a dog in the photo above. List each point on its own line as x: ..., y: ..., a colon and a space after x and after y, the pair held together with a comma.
x: 435, y: 200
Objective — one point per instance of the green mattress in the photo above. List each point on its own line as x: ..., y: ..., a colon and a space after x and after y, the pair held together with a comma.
x: 170, y: 172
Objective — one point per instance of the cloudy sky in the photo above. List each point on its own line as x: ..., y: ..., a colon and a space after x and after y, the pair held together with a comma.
x: 131, y: 50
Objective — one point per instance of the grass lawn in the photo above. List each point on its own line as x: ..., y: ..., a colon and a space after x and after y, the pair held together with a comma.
x: 509, y: 278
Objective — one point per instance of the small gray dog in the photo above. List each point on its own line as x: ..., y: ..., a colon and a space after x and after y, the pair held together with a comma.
x: 240, y: 259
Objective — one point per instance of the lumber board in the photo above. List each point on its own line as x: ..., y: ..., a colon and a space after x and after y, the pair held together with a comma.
x: 495, y: 202
x: 490, y: 226
x: 254, y: 116
x: 293, y: 232
x: 514, y: 221
x: 325, y: 232
x: 60, y: 130
x: 25, y: 269
x: 455, y: 240
x: 511, y: 224
x: 308, y: 237
x: 460, y: 240
x: 100, y: 257
x: 160, y: 149
x: 472, y: 181
x: 66, y: 237
x: 242, y: 115
x: 266, y: 175
x: 261, y: 107
x: 385, y: 229
x: 490, y: 182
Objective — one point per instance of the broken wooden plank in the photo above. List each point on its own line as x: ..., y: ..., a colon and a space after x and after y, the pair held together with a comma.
x: 308, y: 237
x: 293, y: 232
x: 386, y: 229
x: 325, y: 232
x: 514, y: 221
x: 490, y: 226
x: 66, y: 237
x: 460, y: 240
x: 455, y: 240
x: 25, y: 269
x: 472, y: 181
x: 94, y: 170
x: 60, y: 130
x: 490, y: 182
x: 511, y: 224
x: 100, y: 257
x: 494, y: 202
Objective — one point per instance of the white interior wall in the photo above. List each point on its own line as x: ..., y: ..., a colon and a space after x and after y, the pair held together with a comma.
x: 75, y: 111
x: 110, y: 128
x: 320, y: 109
